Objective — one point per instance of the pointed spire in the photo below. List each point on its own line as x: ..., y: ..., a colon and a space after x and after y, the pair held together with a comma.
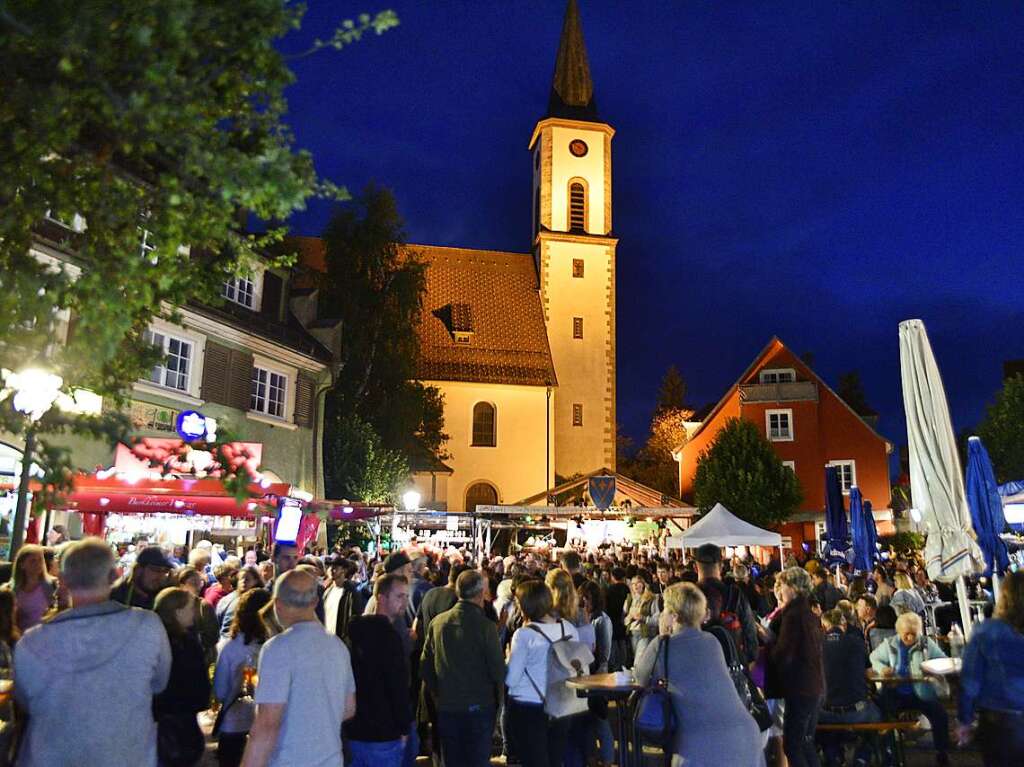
x: 572, y: 91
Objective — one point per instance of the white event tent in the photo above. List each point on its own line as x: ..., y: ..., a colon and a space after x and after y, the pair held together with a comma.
x: 723, y: 528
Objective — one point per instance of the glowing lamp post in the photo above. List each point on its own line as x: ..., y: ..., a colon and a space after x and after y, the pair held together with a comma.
x: 35, y: 392
x: 411, y: 500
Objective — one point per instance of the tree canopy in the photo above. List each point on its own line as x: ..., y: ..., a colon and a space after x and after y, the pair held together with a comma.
x: 851, y: 389
x: 672, y: 392
x: 376, y: 287
x: 145, y: 129
x: 1002, y: 431
x: 741, y: 471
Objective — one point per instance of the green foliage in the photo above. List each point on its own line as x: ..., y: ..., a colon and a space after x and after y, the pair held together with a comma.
x: 359, y: 467
x: 377, y: 290
x: 741, y: 471
x: 1002, y: 431
x: 672, y: 393
x: 150, y: 119
x: 851, y: 390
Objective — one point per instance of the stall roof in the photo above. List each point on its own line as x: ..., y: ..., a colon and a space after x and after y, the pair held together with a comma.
x: 723, y: 528
x: 640, y: 494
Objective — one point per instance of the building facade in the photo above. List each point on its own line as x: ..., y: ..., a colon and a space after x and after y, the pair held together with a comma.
x: 522, y: 345
x: 247, y: 362
x: 809, y: 426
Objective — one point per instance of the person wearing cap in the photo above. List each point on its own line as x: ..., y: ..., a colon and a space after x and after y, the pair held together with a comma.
x: 726, y: 598
x: 150, y: 574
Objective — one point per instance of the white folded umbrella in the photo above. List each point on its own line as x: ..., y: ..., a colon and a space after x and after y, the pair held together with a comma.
x: 936, y: 478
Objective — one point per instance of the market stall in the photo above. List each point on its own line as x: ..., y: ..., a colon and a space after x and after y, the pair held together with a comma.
x: 723, y: 528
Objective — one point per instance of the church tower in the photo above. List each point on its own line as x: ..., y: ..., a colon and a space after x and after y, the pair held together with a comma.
x: 575, y: 256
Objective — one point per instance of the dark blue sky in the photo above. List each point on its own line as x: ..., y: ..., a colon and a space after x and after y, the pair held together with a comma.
x: 816, y: 170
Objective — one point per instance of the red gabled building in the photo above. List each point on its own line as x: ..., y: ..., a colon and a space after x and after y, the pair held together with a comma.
x: 809, y: 426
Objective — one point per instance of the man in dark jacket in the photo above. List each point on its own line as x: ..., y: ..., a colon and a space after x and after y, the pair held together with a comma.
x: 726, y: 602
x: 827, y: 594
x: 462, y: 667
x: 341, y: 600
x: 845, y: 657
x: 383, y: 717
x: 150, y: 574
x: 614, y: 602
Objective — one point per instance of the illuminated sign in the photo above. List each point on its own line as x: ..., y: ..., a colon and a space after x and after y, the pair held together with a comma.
x: 193, y: 426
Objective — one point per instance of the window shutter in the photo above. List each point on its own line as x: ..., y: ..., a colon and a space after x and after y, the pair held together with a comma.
x: 239, y: 380
x: 305, y: 405
x: 273, y: 289
x: 215, y: 373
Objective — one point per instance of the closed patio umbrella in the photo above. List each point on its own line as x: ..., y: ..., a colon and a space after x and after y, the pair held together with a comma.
x: 871, y: 530
x: 986, y: 507
x: 837, y: 531
x: 936, y: 480
x: 863, y: 548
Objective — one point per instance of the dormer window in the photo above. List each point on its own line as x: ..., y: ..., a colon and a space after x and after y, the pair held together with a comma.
x: 240, y: 290
x: 777, y: 375
x: 461, y: 323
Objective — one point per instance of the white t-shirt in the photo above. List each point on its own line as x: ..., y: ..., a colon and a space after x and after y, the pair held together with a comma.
x: 530, y: 653
x: 331, y: 601
x: 310, y: 671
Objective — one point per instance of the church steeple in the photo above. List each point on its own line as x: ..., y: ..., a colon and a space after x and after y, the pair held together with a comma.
x: 572, y: 90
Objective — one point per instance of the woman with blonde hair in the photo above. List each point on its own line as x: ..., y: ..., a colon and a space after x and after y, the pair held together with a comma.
x: 906, y: 599
x: 714, y: 727
x: 992, y: 680
x: 641, y: 611
x: 32, y: 586
x: 563, y: 595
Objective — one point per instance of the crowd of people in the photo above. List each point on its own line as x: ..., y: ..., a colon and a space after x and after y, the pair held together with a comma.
x: 297, y: 659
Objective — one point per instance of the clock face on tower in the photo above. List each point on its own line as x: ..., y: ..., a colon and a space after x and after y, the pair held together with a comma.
x: 578, y: 147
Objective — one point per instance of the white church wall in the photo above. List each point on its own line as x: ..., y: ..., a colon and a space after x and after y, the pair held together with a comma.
x: 515, y: 465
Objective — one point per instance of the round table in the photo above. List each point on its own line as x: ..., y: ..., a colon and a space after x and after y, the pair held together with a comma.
x: 942, y: 666
x: 619, y: 687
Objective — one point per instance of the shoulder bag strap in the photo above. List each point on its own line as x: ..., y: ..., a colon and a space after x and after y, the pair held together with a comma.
x: 533, y: 684
x: 546, y: 637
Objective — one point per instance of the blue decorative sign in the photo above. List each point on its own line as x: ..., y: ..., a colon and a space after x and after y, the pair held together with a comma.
x: 191, y: 425
x: 602, y: 491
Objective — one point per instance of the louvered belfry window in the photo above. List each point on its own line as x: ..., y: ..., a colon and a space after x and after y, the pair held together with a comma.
x: 577, y: 207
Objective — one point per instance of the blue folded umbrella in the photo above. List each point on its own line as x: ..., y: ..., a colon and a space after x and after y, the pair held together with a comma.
x: 986, y: 507
x: 837, y: 531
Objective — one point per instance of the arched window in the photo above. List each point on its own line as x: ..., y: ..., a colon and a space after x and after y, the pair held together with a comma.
x: 481, y: 494
x: 577, y: 207
x: 483, y: 425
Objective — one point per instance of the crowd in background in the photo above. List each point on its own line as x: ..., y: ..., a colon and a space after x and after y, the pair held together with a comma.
x: 293, y: 658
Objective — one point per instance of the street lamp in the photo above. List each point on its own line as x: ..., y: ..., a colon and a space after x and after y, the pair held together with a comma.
x: 35, y: 391
x: 411, y: 500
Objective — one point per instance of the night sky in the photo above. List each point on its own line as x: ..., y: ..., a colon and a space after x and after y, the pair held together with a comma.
x: 817, y: 171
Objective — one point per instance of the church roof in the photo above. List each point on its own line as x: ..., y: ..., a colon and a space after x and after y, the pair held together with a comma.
x: 482, y: 319
x: 572, y: 90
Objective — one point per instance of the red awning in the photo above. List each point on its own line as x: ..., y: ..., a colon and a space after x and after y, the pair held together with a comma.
x: 117, y: 494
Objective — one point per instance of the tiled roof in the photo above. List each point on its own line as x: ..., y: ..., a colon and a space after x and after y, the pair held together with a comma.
x: 493, y: 298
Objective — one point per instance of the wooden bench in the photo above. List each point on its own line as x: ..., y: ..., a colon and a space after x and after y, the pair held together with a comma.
x: 896, y: 728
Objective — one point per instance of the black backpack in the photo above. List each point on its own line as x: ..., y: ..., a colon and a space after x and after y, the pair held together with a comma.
x: 725, y: 614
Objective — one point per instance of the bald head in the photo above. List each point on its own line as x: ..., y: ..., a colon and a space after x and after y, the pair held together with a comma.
x: 296, y: 588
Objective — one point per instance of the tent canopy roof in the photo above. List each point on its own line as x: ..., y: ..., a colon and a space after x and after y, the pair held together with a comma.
x: 723, y: 528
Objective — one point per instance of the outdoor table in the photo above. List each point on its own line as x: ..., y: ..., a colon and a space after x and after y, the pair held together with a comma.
x: 942, y: 666
x: 613, y: 687
x: 881, y: 679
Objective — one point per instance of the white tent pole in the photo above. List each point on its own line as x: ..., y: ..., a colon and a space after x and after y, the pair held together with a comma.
x: 995, y: 586
x: 965, y: 606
